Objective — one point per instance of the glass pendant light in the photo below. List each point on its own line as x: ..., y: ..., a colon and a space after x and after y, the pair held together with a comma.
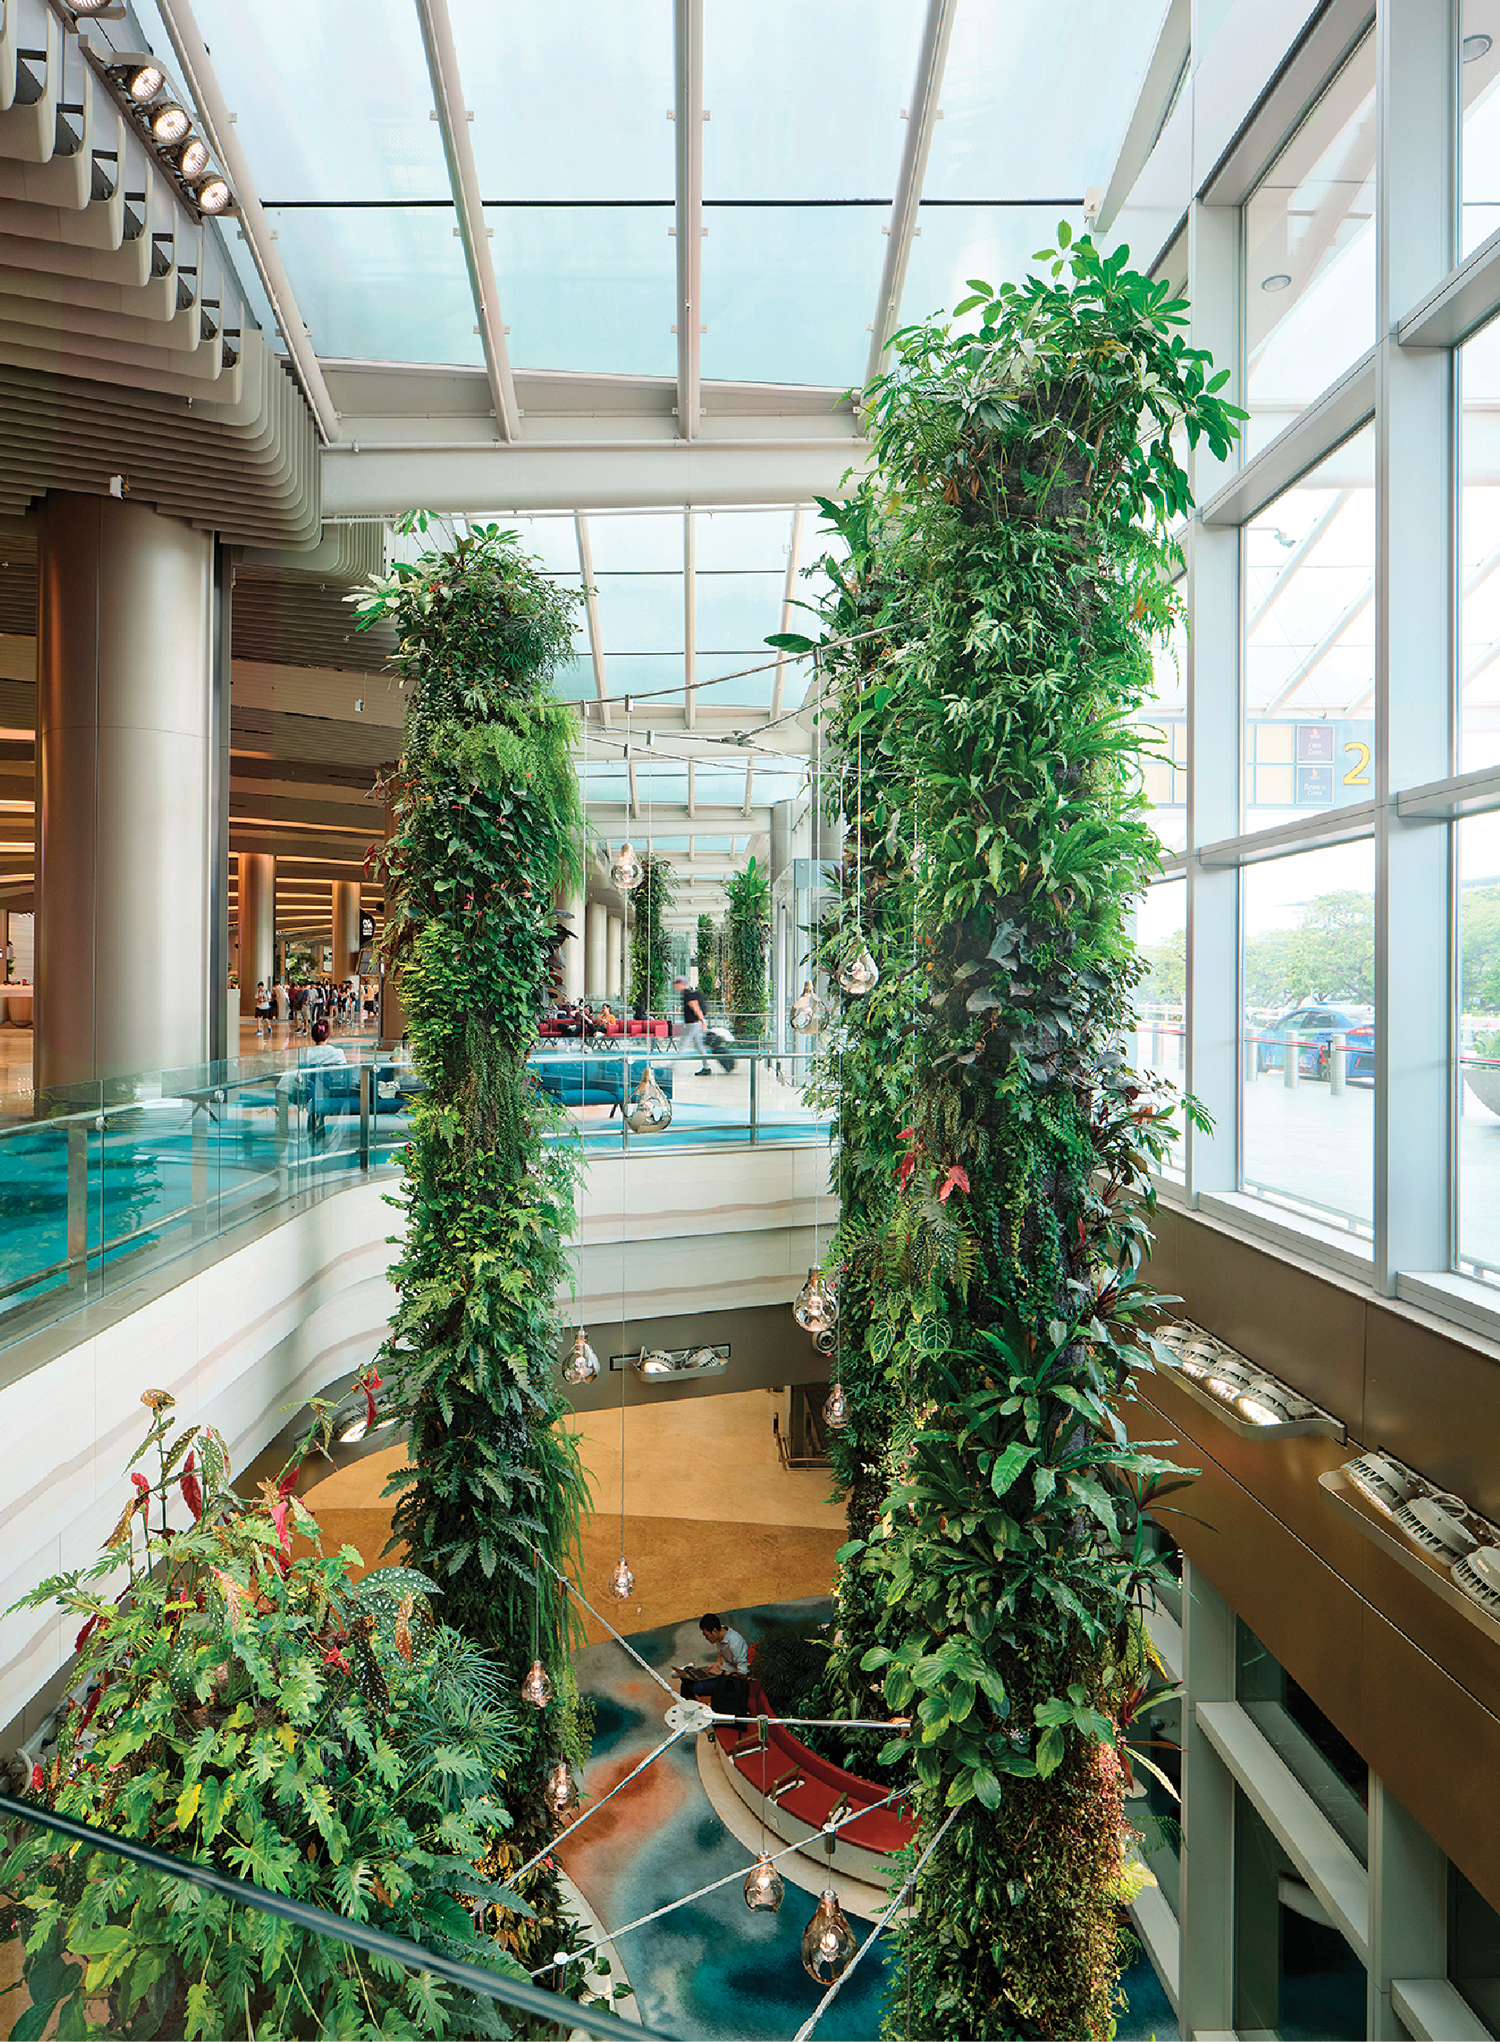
x: 764, y: 1890
x: 809, y: 1012
x: 626, y: 870
x: 648, y: 1109
x: 817, y: 1306
x: 836, y: 1412
x: 827, y: 1942
x: 860, y: 974
x: 622, y: 1582
x: 582, y: 1364
x: 558, y: 1794
x: 536, y: 1688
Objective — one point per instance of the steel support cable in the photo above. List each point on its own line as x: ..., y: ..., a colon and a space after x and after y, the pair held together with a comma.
x: 848, y: 1972
x: 594, y: 1806
x: 566, y: 1957
x: 512, y: 1992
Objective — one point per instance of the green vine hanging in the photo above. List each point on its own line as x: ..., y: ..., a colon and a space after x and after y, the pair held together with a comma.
x: 650, y: 953
x: 1012, y: 552
x: 487, y: 824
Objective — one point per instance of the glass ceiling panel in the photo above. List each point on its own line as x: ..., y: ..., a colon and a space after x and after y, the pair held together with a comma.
x: 388, y: 285
x: 636, y: 542
x: 787, y: 295
x: 743, y: 541
x: 570, y: 98
x: 805, y: 102
x: 553, y: 541
x: 738, y: 612
x: 331, y: 101
x: 586, y: 287
x: 995, y: 243
x: 574, y: 680
x: 1035, y: 101
x: 637, y: 673
x: 640, y: 612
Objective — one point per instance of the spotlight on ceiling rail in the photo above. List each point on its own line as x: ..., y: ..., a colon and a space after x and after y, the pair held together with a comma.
x: 97, y: 10
x: 169, y: 123
x: 1250, y: 1402
x: 212, y: 195
x: 192, y: 159
x: 143, y: 81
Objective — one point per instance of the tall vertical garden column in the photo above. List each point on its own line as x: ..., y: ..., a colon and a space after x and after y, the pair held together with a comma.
x: 486, y: 824
x: 1014, y: 548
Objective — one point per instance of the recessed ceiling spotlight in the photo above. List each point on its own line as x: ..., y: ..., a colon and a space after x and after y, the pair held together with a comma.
x: 213, y: 195
x: 1473, y: 47
x: 169, y: 123
x: 144, y: 82
x: 192, y: 157
x: 1278, y: 282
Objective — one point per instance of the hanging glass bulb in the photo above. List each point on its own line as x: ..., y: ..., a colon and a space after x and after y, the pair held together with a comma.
x: 861, y: 974
x: 764, y: 1890
x: 582, y: 1364
x: 836, y: 1412
x: 626, y: 870
x: 827, y: 1941
x: 622, y: 1582
x: 558, y: 1794
x: 536, y: 1688
x: 648, y: 1109
x: 816, y: 1307
x: 809, y: 1011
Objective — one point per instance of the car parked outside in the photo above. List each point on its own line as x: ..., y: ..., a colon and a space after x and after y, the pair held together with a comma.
x: 1316, y: 1023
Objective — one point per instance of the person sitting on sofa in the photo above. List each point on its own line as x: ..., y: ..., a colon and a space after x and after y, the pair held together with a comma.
x: 732, y: 1666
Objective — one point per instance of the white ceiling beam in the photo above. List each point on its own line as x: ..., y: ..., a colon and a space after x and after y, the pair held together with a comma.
x: 628, y: 472
x: 218, y: 126
x: 749, y: 783
x: 458, y: 148
x: 922, y: 116
x: 788, y: 597
x: 591, y: 609
x: 687, y: 40
x: 689, y: 619
x: 692, y: 800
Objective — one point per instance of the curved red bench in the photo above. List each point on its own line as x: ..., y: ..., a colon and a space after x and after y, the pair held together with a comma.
x: 823, y: 1784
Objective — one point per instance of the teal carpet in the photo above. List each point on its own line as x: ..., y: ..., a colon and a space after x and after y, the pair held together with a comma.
x: 712, y: 1969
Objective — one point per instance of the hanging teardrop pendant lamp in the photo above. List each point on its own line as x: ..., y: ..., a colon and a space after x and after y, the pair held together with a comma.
x: 837, y: 1414
x: 648, y: 1109
x: 559, y: 1794
x: 764, y: 1890
x: 536, y: 1688
x: 816, y: 1307
x: 809, y: 1011
x: 625, y: 872
x: 861, y: 974
x: 582, y: 1364
x: 827, y: 1942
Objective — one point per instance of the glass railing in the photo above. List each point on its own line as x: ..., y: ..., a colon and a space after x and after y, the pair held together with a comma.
x: 103, y: 1181
x: 101, y: 1935
x: 101, y: 1184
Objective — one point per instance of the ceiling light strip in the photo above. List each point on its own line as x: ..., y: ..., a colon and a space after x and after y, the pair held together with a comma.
x: 937, y: 31
x: 458, y: 148
x: 214, y: 117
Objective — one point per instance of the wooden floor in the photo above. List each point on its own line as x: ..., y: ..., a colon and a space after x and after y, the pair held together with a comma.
x: 711, y: 1517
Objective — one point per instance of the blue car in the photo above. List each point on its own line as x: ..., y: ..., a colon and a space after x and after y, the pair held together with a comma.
x: 1317, y: 1023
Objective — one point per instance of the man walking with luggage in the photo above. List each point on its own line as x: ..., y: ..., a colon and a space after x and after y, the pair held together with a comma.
x: 693, y: 1019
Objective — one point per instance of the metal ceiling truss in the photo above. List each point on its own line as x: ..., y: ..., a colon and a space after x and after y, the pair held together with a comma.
x: 453, y: 121
x: 688, y: 113
x: 922, y: 117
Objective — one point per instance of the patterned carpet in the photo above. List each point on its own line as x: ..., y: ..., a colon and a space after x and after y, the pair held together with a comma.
x: 712, y: 1969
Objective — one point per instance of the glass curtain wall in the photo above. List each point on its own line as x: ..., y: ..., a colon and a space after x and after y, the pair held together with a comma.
x: 1332, y: 606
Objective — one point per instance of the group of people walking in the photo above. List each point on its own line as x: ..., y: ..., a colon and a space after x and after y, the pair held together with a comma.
x: 301, y: 1006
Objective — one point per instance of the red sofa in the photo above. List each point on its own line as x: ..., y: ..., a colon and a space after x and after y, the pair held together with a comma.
x: 822, y: 1785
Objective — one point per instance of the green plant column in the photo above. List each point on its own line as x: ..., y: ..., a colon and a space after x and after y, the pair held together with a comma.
x: 748, y: 933
x: 1024, y: 475
x: 486, y: 823
x: 707, y: 983
x: 650, y: 952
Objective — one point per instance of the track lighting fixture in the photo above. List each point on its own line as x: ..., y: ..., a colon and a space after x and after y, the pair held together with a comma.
x: 169, y: 123
x: 1250, y: 1402
x: 213, y: 195
x: 192, y: 159
x: 143, y: 82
